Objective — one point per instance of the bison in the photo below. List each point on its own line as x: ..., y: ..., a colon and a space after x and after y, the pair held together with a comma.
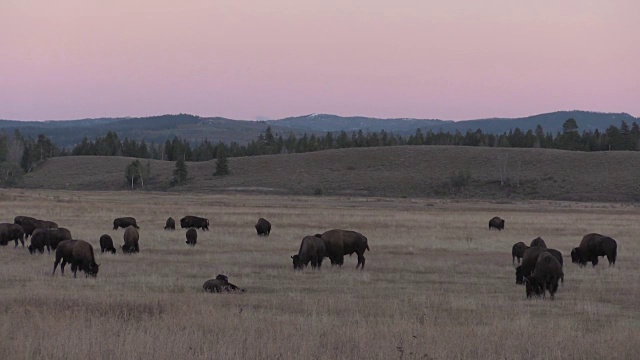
x: 517, y: 251
x: 50, y: 224
x: 39, y: 240
x: 529, y: 259
x: 312, y: 249
x: 170, y: 224
x: 593, y: 246
x: 56, y: 235
x: 194, y: 222
x: 131, y: 238
x: 339, y: 243
x: 79, y: 254
x: 29, y: 225
x: 545, y: 276
x: 496, y: 223
x: 263, y: 227
x: 10, y: 232
x: 220, y: 284
x: 538, y: 242
x: 106, y: 244
x: 124, y: 222
x: 192, y: 236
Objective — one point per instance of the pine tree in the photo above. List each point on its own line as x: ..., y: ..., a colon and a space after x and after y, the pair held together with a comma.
x: 180, y: 172
x: 222, y: 163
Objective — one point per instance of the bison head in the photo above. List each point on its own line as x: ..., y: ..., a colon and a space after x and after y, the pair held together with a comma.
x: 32, y: 249
x: 502, y: 224
x: 533, y: 288
x: 577, y: 258
x: 297, y: 262
x: 93, y: 269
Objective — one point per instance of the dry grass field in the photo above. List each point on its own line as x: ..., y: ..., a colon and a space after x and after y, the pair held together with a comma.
x: 400, y: 171
x: 437, y: 284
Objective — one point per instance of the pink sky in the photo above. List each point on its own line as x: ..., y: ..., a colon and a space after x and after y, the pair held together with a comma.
x: 448, y: 59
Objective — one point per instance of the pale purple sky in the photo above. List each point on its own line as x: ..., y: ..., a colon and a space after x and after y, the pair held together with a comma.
x: 448, y: 59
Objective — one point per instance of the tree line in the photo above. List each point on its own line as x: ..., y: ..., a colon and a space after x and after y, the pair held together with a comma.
x: 19, y: 154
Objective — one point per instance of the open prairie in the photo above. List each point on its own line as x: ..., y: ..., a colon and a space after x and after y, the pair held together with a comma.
x: 437, y: 284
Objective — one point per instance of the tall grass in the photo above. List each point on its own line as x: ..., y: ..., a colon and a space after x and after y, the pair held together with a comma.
x: 437, y: 285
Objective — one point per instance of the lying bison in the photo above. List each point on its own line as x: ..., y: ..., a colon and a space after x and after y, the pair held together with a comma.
x: 220, y: 284
x: 194, y: 222
x: 106, y: 244
x: 170, y: 224
x: 312, y: 249
x: 593, y: 246
x: 496, y: 223
x: 529, y: 260
x: 124, y: 222
x: 339, y: 243
x: 517, y: 251
x: 263, y: 227
x: 131, y: 238
x: 79, y: 254
x: 545, y: 276
x: 192, y: 236
x: 538, y: 242
x: 10, y: 232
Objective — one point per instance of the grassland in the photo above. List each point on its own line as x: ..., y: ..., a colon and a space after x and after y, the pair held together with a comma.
x: 408, y: 171
x: 437, y: 285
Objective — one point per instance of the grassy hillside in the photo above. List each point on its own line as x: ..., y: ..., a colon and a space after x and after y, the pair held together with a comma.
x: 408, y: 171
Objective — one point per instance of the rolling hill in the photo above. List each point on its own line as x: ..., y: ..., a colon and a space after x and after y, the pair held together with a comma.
x: 194, y: 128
x: 406, y: 171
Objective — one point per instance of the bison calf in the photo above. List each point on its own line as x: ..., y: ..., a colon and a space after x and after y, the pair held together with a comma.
x: 106, y: 244
x: 517, y: 251
x: 170, y: 224
x: 220, y: 284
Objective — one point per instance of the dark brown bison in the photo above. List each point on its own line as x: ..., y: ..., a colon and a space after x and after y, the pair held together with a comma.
x: 312, y: 249
x: 220, y: 284
x: 593, y: 246
x: 124, y: 222
x: 263, y: 227
x: 538, y: 242
x: 50, y: 224
x: 10, y: 232
x: 529, y: 260
x: 79, y: 254
x: 29, y: 225
x: 194, y: 222
x: 106, y: 244
x: 192, y: 236
x: 131, y: 238
x: 517, y: 251
x: 170, y: 224
x: 496, y: 223
x: 49, y: 238
x: 339, y: 243
x: 545, y: 276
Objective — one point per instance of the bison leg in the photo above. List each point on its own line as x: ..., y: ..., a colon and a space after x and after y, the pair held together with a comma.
x: 319, y: 263
x: 314, y: 262
x: 64, y: 262
x: 74, y: 268
x: 360, y: 261
x: 612, y: 260
x: 594, y: 261
x: 55, y: 265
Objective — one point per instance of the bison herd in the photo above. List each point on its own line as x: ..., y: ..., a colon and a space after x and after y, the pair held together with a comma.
x: 540, y: 268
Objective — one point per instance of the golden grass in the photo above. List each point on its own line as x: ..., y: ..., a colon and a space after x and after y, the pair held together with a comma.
x: 437, y: 285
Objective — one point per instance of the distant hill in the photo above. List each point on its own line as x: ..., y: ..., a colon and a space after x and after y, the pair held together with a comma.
x: 67, y: 133
x: 402, y: 171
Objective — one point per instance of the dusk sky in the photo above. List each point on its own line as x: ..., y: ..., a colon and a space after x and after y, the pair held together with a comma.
x: 446, y: 59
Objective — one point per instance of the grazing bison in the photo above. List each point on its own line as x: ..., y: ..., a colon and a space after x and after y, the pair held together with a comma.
x: 517, y: 251
x: 124, y: 222
x: 29, y: 225
x: 339, y: 243
x: 10, y: 232
x: 593, y: 246
x: 79, y: 254
x: 106, y: 244
x: 220, y: 284
x: 263, y: 227
x: 170, y: 224
x: 39, y: 240
x: 545, y: 276
x: 194, y: 222
x: 131, y: 238
x: 538, y: 242
x: 192, y: 236
x: 496, y: 223
x: 56, y: 235
x: 529, y: 259
x: 312, y: 249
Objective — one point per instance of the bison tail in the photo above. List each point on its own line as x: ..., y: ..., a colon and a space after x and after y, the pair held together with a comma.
x: 368, y: 247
